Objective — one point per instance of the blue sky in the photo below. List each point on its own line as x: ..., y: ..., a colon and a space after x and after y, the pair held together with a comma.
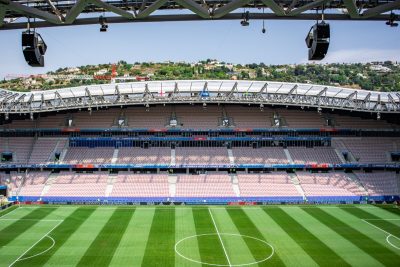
x: 192, y: 41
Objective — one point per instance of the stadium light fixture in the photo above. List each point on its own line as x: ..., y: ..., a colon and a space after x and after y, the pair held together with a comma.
x: 245, y: 18
x: 103, y: 24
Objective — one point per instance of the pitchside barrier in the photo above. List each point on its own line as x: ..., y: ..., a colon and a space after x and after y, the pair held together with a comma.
x: 205, y: 200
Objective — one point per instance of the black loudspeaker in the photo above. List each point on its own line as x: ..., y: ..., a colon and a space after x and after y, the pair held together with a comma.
x: 318, y: 41
x: 33, y: 48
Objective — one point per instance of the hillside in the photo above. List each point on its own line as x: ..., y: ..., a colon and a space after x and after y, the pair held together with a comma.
x: 377, y: 76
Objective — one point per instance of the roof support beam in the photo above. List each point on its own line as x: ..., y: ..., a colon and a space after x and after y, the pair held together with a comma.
x: 58, y: 96
x: 222, y: 11
x: 184, y: 17
x: 193, y: 6
x: 113, y: 9
x: 352, y: 8
x: 74, y: 12
x: 306, y: 7
x: 351, y: 96
x: 294, y: 89
x: 153, y: 7
x: 81, y: 4
x: 147, y: 92
x: 277, y: 9
x: 233, y: 90
x: 381, y: 9
x: 323, y: 91
x: 31, y: 12
x: 55, y: 10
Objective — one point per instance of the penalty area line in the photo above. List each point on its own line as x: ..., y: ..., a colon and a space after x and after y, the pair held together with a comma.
x: 386, y: 232
x: 26, y: 251
x: 219, y: 236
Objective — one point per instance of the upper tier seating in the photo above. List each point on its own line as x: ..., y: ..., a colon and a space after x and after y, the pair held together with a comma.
x: 153, y: 117
x: 300, y: 118
x: 380, y: 183
x: 210, y: 185
x: 137, y: 155
x: 263, y: 155
x: 328, y: 184
x: 315, y: 155
x: 19, y: 146
x: 368, y: 149
x: 202, y: 155
x: 266, y: 185
x: 43, y: 149
x: 359, y: 123
x: 198, y: 117
x: 86, y: 155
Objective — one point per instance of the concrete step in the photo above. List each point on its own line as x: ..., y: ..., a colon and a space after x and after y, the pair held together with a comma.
x: 231, y: 157
x: 172, y: 180
x: 173, y: 157
x: 288, y: 156
x: 115, y: 156
x: 297, y: 185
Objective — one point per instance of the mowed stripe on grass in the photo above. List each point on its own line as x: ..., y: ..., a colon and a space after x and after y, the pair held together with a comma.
x: 210, y: 247
x: 386, y: 225
x: 364, y: 242
x: 60, y: 236
x: 339, y: 244
x: 314, y: 247
x: 77, y: 244
x: 12, y: 231
x: 161, y: 240
x: 103, y: 247
x: 258, y: 249
x: 132, y: 246
x: 185, y: 228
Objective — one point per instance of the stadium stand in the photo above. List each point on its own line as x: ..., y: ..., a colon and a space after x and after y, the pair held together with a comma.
x: 263, y: 155
x: 328, y: 184
x: 137, y: 155
x: 241, y: 152
x: 85, y: 155
x: 204, y: 185
x: 380, y: 183
x: 79, y: 184
x: 315, y: 155
x: 266, y: 184
x: 140, y: 185
x: 201, y: 155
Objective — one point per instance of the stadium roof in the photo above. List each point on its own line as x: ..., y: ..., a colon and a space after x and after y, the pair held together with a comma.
x: 66, y: 12
x: 200, y: 91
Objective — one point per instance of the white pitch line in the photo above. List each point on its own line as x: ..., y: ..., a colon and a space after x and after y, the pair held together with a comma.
x: 35, y: 244
x: 220, y: 239
x: 54, y: 242
x: 9, y: 212
x: 382, y: 219
x: 380, y: 228
x: 1, y: 219
x: 388, y: 234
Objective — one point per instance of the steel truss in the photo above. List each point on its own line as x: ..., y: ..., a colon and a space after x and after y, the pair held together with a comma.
x: 205, y: 92
x: 66, y: 12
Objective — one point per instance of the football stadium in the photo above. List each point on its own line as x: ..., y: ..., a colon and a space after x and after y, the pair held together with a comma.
x: 200, y: 173
x: 177, y: 161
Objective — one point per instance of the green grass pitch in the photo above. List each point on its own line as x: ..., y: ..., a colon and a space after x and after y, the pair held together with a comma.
x: 362, y: 235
